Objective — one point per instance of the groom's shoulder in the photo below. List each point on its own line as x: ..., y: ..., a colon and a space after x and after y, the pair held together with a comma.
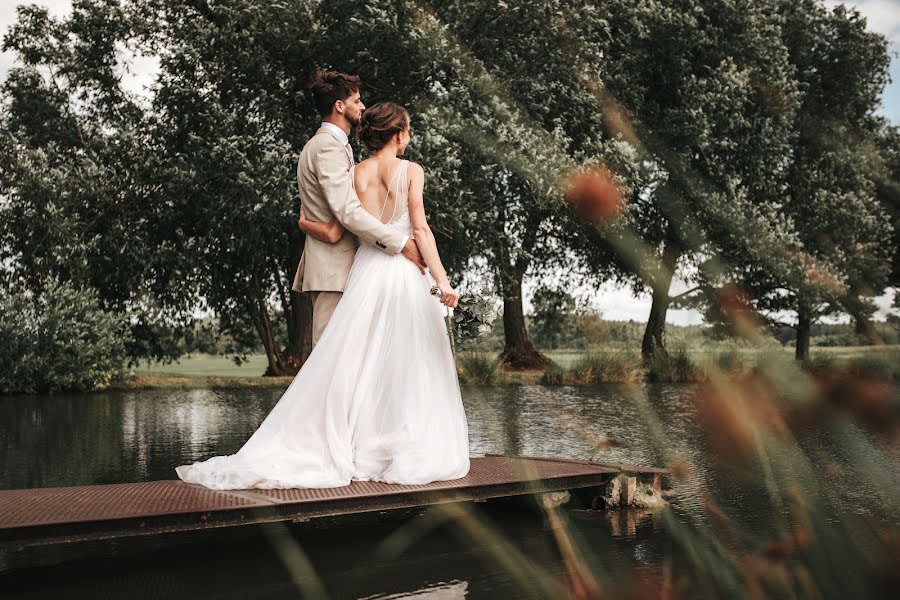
x: 322, y: 138
x: 318, y: 143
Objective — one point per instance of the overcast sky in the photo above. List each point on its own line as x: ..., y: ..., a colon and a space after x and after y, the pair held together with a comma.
x: 883, y: 16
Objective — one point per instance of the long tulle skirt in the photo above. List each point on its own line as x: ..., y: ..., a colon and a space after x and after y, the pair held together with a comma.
x: 377, y: 399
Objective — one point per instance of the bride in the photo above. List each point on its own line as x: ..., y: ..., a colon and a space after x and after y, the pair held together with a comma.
x: 378, y: 398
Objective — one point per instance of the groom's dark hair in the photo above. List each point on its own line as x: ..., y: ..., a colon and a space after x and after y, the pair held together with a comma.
x: 327, y: 87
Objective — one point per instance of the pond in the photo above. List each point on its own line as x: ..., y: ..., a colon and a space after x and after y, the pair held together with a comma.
x: 68, y: 440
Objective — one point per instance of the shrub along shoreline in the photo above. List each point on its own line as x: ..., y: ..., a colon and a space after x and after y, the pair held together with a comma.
x: 599, y: 366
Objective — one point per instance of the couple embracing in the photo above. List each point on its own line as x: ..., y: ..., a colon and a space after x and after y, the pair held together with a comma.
x: 378, y: 397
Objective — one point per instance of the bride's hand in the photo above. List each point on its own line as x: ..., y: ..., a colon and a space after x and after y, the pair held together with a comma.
x: 449, y: 296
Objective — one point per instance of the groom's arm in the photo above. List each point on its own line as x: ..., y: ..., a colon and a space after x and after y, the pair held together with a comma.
x: 332, y: 169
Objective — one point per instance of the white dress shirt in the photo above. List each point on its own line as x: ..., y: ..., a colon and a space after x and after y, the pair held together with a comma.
x: 337, y: 131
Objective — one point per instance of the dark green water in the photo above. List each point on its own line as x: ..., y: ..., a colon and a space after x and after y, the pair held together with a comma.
x: 141, y: 436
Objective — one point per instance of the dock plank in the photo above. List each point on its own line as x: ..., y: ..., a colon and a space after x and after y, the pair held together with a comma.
x: 51, y: 515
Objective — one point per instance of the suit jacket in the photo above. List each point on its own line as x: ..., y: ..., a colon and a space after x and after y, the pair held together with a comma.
x: 326, y: 192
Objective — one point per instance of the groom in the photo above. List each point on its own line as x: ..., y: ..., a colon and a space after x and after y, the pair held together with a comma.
x: 323, y: 175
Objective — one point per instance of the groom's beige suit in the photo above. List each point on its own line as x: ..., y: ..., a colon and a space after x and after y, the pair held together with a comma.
x: 326, y: 192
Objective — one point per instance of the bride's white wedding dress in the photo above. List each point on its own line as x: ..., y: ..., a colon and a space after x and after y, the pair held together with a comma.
x: 377, y: 399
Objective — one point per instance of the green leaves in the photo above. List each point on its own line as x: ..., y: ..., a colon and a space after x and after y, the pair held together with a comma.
x: 740, y: 130
x: 472, y: 318
x: 60, y: 340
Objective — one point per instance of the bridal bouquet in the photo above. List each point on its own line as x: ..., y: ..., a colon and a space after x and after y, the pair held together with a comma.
x: 471, y: 318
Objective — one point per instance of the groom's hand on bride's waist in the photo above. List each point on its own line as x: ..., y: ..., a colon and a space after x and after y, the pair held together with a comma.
x: 411, y: 252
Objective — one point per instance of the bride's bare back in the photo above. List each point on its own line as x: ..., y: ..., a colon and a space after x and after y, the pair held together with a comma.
x: 381, y: 185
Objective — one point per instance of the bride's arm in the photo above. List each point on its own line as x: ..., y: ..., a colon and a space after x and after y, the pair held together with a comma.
x: 425, y: 238
x: 330, y: 232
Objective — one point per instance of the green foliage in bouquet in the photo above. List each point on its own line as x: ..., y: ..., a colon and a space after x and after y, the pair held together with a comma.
x: 472, y: 317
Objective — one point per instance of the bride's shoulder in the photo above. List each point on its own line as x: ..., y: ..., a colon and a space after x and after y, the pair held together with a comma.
x: 364, y: 166
x: 364, y: 171
x: 367, y: 168
x: 415, y: 179
x: 414, y: 169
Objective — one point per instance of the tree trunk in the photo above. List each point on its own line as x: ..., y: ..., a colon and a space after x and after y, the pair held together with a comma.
x: 298, y: 314
x: 803, y: 327
x: 300, y: 328
x: 654, y: 341
x: 297, y: 310
x: 265, y: 335
x: 861, y: 314
x: 518, y: 352
x: 655, y: 333
x: 275, y: 359
x: 280, y: 362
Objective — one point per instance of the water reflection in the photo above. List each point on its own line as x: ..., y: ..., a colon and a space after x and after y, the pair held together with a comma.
x: 120, y: 437
x: 123, y: 437
x: 438, y: 591
x: 139, y: 436
x: 349, y: 559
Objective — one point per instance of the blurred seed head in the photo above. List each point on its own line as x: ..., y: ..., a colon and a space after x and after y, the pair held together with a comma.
x: 733, y: 412
x: 596, y: 439
x: 781, y: 550
x: 726, y: 425
x: 679, y: 468
x: 593, y: 193
x: 863, y: 396
x: 817, y: 273
x: 734, y: 303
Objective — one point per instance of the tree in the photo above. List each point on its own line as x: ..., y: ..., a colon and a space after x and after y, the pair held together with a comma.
x: 706, y: 91
x: 74, y: 152
x: 59, y: 341
x: 493, y: 107
x: 188, y: 201
x: 232, y: 115
x: 518, y: 103
x: 554, y: 311
x: 843, y: 250
x: 887, y: 188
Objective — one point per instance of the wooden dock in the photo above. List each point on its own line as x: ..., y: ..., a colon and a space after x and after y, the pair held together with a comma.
x: 55, y: 515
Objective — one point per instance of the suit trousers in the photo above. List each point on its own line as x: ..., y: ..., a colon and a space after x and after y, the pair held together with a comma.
x: 323, y: 307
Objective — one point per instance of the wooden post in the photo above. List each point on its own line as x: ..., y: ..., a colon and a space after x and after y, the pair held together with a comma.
x: 628, y: 491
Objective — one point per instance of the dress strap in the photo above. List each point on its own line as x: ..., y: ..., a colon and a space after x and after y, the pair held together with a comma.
x: 388, y: 192
x: 405, y: 180
x: 402, y: 203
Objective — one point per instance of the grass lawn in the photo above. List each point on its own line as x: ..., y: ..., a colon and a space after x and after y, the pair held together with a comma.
x: 567, y: 358
x: 201, y: 371
x: 203, y: 366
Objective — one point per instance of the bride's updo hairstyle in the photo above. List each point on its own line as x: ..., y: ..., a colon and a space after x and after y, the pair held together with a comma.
x: 381, y: 122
